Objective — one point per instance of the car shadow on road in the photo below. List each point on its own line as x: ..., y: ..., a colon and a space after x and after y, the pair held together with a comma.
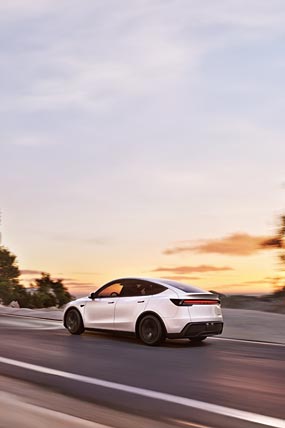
x: 132, y: 340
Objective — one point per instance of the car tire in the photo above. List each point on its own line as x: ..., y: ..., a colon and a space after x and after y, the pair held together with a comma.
x: 73, y: 322
x: 151, y: 331
x: 197, y: 339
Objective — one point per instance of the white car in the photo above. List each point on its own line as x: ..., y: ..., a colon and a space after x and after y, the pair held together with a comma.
x: 152, y: 309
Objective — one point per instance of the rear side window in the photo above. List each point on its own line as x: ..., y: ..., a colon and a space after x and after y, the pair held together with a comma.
x: 151, y: 288
x: 132, y: 288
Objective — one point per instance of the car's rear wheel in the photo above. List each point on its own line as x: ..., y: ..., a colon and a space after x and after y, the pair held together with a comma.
x: 73, y: 322
x: 197, y: 339
x: 151, y: 331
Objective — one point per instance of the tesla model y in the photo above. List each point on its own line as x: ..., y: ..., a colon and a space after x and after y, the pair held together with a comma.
x: 152, y: 309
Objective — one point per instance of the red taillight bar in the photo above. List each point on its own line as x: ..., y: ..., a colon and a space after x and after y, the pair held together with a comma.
x: 190, y: 302
x: 200, y: 302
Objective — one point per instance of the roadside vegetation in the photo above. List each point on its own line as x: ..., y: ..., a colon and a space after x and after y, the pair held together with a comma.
x: 274, y: 302
x: 44, y: 292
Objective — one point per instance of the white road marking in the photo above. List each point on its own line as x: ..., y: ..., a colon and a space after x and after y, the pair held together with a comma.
x: 254, y: 342
x: 188, y: 402
x: 189, y: 424
x: 9, y: 400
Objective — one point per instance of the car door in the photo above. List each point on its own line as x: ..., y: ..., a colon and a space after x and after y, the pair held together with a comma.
x: 99, y: 313
x: 133, y: 301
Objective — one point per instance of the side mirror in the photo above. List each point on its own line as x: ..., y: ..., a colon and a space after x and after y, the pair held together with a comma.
x: 92, y: 296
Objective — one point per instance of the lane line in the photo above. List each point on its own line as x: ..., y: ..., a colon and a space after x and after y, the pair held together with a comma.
x: 10, y: 400
x: 189, y: 424
x: 188, y: 402
x: 254, y: 342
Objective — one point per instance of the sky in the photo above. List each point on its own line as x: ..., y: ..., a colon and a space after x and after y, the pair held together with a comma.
x: 143, y: 138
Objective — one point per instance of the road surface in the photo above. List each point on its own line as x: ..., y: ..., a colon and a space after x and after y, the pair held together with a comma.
x: 218, y: 383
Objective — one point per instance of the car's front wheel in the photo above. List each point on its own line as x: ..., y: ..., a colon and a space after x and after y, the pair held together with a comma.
x: 73, y: 322
x: 151, y: 331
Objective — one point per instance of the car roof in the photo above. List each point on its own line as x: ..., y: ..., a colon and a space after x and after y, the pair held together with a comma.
x: 173, y: 285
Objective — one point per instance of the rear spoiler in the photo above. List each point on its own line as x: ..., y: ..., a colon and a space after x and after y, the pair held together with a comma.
x: 208, y: 296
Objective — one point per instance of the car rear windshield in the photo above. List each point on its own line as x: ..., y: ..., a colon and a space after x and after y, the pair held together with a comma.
x: 183, y: 287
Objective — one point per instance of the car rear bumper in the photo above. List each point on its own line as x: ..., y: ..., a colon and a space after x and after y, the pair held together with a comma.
x: 198, y: 329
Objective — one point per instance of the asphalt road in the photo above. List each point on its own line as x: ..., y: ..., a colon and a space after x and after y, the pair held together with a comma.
x: 247, y: 377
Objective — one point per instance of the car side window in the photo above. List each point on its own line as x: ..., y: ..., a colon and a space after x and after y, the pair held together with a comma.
x: 132, y: 288
x: 112, y: 290
x: 141, y: 288
x: 151, y: 288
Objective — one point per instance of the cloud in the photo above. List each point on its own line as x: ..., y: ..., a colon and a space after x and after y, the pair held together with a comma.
x: 181, y: 270
x: 237, y: 244
x: 108, y: 51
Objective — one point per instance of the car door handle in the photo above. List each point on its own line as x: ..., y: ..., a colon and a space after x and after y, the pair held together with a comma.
x: 140, y: 301
x: 110, y: 303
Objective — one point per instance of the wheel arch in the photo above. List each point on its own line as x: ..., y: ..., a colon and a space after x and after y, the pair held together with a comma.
x: 68, y: 310
x: 143, y: 314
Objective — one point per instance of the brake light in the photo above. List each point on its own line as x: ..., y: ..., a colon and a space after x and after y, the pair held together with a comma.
x: 191, y: 302
x: 199, y: 302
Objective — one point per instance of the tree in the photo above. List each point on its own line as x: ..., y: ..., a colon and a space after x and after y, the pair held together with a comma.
x: 49, y: 292
x: 10, y: 288
x: 9, y: 270
x: 278, y: 242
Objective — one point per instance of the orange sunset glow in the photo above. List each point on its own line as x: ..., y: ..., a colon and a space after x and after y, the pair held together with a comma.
x: 240, y: 266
